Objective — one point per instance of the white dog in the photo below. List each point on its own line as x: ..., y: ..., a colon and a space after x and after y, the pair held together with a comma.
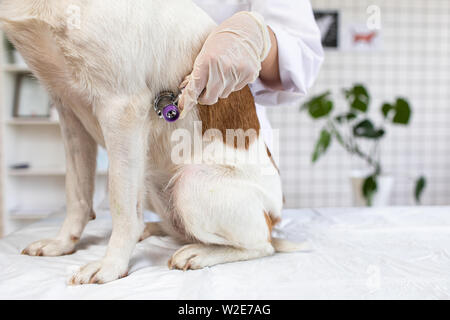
x: 104, y: 63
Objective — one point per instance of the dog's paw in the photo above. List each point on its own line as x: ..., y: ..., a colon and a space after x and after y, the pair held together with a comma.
x: 50, y: 248
x: 99, y: 272
x: 193, y: 257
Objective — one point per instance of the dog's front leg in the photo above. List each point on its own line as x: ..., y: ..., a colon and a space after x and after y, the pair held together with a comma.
x: 125, y: 129
x: 81, y: 154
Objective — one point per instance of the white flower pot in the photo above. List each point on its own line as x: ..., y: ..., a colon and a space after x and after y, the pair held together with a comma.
x: 383, y: 196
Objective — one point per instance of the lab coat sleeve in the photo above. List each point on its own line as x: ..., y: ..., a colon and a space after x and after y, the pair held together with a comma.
x: 299, y: 49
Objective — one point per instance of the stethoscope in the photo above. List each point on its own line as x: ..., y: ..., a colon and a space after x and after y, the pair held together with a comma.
x: 166, y: 106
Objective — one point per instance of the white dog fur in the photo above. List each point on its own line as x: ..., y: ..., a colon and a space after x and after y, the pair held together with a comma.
x: 103, y: 75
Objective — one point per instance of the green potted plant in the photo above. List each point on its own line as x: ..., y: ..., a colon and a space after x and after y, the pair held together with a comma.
x: 354, y: 129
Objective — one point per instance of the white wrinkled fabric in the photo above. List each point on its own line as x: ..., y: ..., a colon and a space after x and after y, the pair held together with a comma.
x: 400, y: 253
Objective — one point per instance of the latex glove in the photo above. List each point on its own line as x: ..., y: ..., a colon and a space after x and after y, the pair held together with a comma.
x: 229, y: 60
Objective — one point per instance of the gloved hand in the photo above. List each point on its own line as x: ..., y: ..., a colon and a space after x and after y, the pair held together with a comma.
x: 229, y: 60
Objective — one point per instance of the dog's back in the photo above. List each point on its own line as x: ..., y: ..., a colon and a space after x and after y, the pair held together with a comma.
x: 121, y: 47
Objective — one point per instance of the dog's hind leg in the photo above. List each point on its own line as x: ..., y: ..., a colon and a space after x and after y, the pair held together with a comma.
x: 125, y: 126
x: 227, y: 217
x: 152, y: 229
x: 199, y: 256
x: 81, y: 151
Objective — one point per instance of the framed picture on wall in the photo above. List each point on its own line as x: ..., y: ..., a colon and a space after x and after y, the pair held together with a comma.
x: 30, y: 99
x: 358, y: 37
x: 328, y: 23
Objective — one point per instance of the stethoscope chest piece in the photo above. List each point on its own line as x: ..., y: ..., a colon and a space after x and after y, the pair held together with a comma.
x: 171, y: 113
x: 166, y: 106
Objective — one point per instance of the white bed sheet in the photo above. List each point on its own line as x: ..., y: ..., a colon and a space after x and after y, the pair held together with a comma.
x: 389, y: 253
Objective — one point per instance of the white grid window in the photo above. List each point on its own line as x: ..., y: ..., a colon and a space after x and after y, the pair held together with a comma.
x: 413, y: 62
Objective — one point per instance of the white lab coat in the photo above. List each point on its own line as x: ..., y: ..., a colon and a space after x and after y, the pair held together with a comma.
x: 299, y: 48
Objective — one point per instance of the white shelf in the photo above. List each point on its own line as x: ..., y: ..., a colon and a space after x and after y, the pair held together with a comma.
x: 16, y: 68
x: 36, y: 172
x: 43, y: 173
x: 32, y: 122
x: 31, y: 214
x: 27, y: 195
x: 26, y: 217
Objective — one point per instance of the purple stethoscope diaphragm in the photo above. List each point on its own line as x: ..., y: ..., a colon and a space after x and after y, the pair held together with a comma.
x: 166, y: 106
x: 171, y: 113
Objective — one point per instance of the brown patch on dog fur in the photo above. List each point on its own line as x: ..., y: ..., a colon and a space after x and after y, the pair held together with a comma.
x: 276, y: 167
x: 271, y: 222
x: 275, y: 221
x: 271, y: 159
x: 74, y: 239
x: 236, y: 112
x: 269, y: 225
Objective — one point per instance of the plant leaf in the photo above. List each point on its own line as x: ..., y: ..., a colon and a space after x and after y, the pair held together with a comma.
x: 401, y: 111
x: 370, y: 188
x: 386, y: 109
x: 319, y: 106
x: 421, y: 184
x: 322, y: 145
x: 358, y: 97
x: 345, y: 117
x: 366, y: 129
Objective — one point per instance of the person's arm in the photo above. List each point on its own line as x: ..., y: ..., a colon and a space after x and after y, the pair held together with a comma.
x: 300, y: 53
x: 281, y: 62
x: 232, y: 57
x: 270, y: 67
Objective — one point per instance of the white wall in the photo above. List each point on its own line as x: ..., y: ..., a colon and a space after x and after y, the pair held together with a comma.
x: 414, y: 62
